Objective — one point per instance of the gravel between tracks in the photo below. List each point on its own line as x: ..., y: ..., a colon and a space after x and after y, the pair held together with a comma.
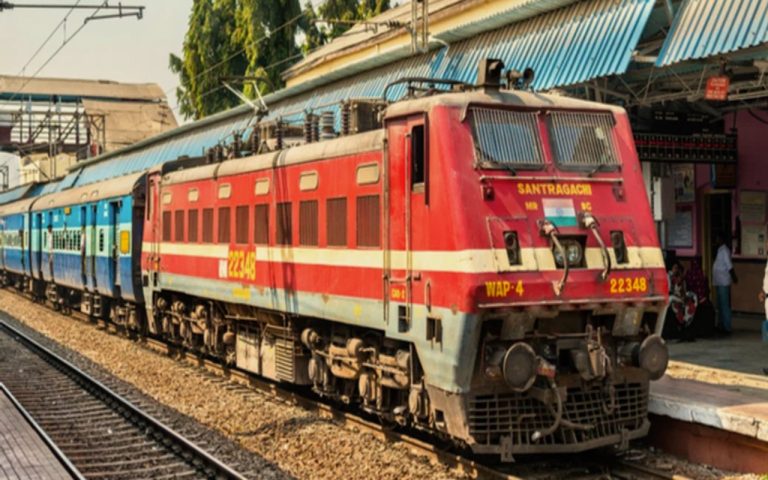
x: 288, y: 441
x: 292, y: 442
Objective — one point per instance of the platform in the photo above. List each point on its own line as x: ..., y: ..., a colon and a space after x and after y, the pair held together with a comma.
x: 25, y: 452
x: 712, y: 406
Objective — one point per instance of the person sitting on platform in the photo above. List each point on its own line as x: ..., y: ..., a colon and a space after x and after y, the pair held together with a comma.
x: 682, y: 306
x: 697, y: 285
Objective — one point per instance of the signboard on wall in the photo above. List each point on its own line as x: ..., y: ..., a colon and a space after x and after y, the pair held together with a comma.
x: 753, y: 240
x: 752, y: 210
x: 752, y: 206
x: 717, y: 88
x: 685, y: 190
x: 680, y: 228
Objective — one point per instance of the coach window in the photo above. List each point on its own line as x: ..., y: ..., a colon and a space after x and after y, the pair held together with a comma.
x: 308, y: 223
x: 336, y: 222
x: 284, y: 230
x: 166, y: 226
x: 242, y: 224
x: 418, y: 158
x: 178, y: 225
x: 261, y: 224
x: 207, y: 225
x: 368, y: 221
x: 192, y: 226
x: 225, y: 226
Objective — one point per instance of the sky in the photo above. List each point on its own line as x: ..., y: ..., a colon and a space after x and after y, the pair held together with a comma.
x: 124, y: 50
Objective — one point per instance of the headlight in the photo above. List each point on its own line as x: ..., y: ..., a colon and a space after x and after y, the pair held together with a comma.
x: 512, y: 246
x: 619, y: 246
x: 574, y: 252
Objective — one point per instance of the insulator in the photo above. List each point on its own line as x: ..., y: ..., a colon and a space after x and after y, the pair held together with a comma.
x: 308, y: 128
x: 315, y: 128
x: 255, y: 141
x: 345, y: 118
x: 279, y: 135
x: 237, y: 145
x: 327, y: 124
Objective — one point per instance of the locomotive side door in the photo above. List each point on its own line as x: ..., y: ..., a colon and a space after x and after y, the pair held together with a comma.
x: 404, y: 189
x: 150, y: 257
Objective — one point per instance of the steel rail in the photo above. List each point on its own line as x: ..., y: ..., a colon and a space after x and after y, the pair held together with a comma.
x: 191, y: 453
x: 618, y: 468
x: 55, y: 450
x: 461, y: 463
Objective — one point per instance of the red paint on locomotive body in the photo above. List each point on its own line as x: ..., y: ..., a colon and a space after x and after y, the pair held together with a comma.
x: 446, y: 228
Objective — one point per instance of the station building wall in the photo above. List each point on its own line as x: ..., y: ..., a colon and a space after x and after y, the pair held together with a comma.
x: 748, y: 210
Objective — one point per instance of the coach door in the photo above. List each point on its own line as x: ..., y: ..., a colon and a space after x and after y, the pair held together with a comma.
x: 37, y: 246
x: 112, y: 250
x: 92, y: 244
x: 82, y: 238
x: 405, y: 194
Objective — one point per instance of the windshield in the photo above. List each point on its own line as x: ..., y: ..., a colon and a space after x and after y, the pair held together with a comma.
x: 583, y: 139
x: 511, y: 139
x: 506, y: 138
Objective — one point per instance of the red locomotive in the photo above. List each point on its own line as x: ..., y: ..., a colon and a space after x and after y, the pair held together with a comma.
x: 481, y: 264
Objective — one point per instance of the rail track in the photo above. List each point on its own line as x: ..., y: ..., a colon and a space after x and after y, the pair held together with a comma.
x: 600, y: 467
x: 590, y: 467
x: 100, y: 432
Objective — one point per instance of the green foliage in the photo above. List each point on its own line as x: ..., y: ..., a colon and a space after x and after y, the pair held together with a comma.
x: 228, y: 39
x: 349, y: 11
x: 233, y: 38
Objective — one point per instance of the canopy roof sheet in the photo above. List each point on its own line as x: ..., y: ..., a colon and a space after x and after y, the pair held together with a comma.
x: 22, y: 87
x: 703, y: 28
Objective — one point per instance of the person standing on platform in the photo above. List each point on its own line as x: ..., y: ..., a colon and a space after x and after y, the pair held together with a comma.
x: 722, y: 278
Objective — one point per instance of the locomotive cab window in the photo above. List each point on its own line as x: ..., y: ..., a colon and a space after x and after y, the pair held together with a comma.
x: 506, y: 139
x: 583, y: 141
x: 418, y: 158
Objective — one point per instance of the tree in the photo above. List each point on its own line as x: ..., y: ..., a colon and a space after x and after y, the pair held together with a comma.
x: 228, y: 39
x: 314, y: 36
x: 209, y: 55
x: 349, y: 11
x: 233, y: 38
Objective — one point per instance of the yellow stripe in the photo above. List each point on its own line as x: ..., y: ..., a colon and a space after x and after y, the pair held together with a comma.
x: 459, y: 261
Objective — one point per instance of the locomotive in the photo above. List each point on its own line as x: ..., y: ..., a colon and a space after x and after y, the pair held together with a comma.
x: 478, y: 262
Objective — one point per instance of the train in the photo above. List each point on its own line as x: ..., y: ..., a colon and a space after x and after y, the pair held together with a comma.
x: 478, y: 262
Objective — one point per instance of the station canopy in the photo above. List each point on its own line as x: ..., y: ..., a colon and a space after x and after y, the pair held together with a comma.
x: 636, y: 53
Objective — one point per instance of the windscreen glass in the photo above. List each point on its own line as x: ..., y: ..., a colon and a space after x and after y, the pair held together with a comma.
x: 583, y: 140
x: 506, y: 138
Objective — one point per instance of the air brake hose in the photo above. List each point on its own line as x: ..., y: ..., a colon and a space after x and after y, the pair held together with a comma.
x: 590, y: 222
x: 548, y: 229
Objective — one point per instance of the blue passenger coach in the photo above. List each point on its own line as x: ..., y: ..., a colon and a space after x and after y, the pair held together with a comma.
x: 14, y: 243
x: 86, y: 247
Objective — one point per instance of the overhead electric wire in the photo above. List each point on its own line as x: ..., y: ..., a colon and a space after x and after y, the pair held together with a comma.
x: 53, y: 32
x: 63, y: 44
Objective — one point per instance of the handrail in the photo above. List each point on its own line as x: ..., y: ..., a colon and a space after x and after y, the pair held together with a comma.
x: 591, y: 223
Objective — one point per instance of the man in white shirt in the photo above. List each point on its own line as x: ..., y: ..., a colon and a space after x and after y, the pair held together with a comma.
x: 722, y: 277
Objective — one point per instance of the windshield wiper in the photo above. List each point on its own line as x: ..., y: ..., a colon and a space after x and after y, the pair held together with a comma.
x: 599, y: 168
x: 509, y: 168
